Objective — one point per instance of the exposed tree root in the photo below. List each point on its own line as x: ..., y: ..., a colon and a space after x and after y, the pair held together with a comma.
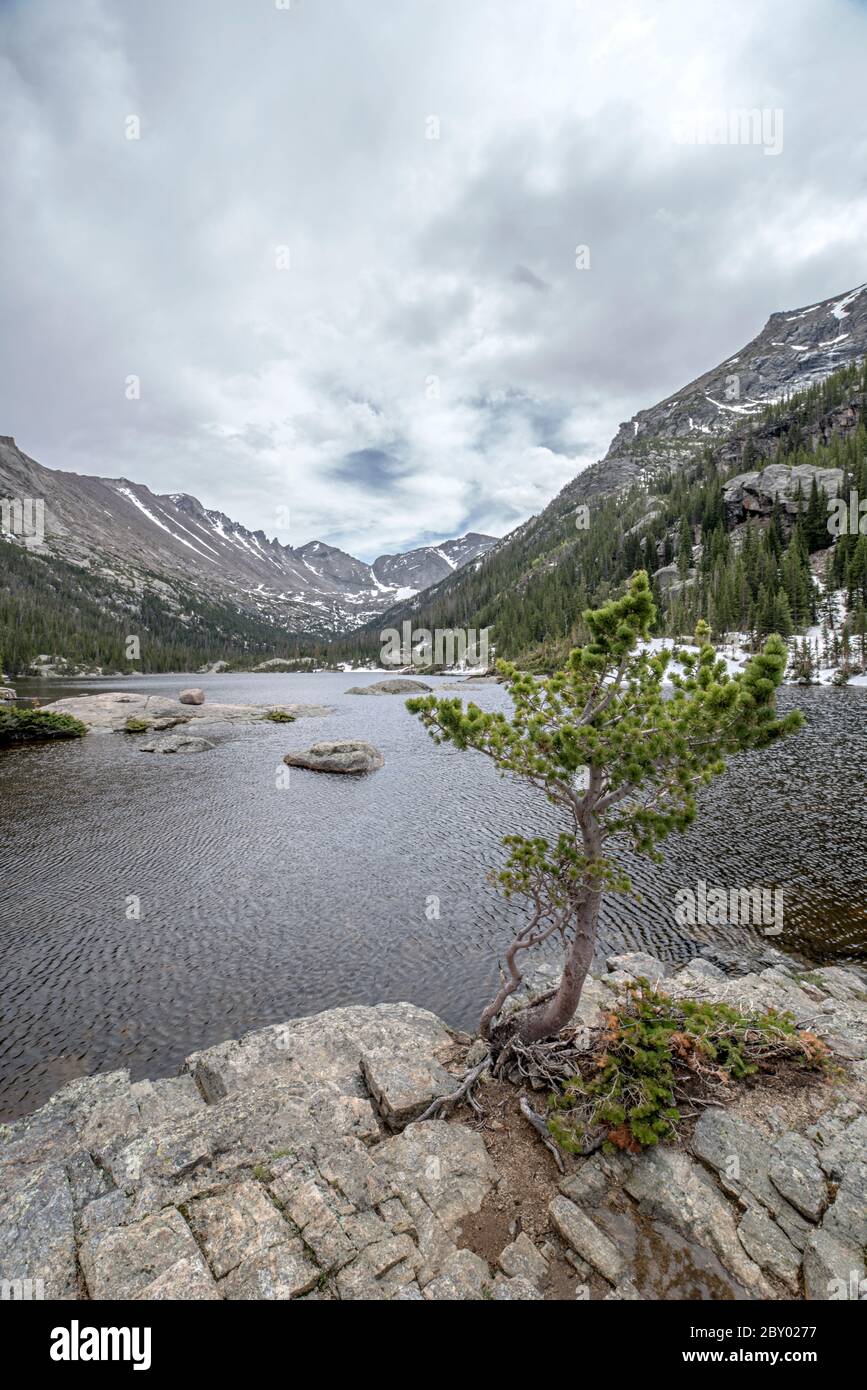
x: 542, y: 1065
x: 438, y: 1107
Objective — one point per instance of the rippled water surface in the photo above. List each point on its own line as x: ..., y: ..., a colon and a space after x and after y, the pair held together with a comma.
x: 260, y: 901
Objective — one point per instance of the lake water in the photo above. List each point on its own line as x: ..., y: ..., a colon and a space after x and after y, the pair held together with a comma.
x: 260, y: 902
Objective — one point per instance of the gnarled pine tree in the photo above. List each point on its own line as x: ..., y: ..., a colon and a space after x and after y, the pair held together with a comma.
x: 617, y: 755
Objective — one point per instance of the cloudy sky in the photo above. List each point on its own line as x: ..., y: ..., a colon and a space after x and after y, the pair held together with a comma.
x: 340, y: 257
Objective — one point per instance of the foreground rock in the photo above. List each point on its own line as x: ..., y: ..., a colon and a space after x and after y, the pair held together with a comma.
x: 291, y: 1164
x: 112, y: 710
x: 782, y: 1208
x: 397, y: 686
x: 192, y: 697
x: 346, y: 755
x: 261, y: 1172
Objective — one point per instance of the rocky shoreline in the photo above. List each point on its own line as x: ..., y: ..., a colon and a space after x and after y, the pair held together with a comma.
x: 111, y: 710
x: 292, y: 1164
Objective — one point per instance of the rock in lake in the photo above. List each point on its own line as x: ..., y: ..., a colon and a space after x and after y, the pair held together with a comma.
x: 192, y: 697
x: 347, y: 755
x: 397, y: 686
x: 179, y: 743
x: 112, y: 709
x: 7, y: 693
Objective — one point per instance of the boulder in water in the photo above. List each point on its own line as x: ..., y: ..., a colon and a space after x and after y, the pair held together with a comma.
x: 346, y: 755
x: 192, y: 697
x: 398, y: 685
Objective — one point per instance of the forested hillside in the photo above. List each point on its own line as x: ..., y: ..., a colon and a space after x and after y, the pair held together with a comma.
x: 749, y: 574
x: 58, y: 609
x: 753, y: 576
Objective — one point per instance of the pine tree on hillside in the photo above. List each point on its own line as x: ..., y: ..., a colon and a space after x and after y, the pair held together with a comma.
x: 684, y: 548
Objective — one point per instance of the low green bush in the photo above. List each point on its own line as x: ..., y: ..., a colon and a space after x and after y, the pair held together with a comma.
x: 136, y: 726
x: 32, y: 725
x: 656, y: 1054
x: 280, y: 716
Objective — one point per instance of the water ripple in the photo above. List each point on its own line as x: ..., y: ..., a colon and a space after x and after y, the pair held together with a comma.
x: 259, y: 902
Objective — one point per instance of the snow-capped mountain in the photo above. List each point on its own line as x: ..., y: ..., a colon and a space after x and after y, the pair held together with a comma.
x: 795, y: 349
x: 141, y: 539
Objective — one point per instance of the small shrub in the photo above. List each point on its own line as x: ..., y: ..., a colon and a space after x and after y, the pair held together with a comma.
x: 655, y: 1053
x: 280, y: 716
x: 31, y: 726
x: 136, y: 726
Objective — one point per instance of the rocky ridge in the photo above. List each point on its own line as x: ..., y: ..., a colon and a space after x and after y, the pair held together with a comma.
x: 796, y: 349
x: 170, y: 544
x: 293, y: 1164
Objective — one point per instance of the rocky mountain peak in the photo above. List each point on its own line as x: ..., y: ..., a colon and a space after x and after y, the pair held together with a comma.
x: 795, y: 349
x: 119, y: 528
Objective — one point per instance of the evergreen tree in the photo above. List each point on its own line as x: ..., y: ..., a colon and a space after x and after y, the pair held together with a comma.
x: 614, y: 757
x: 684, y: 548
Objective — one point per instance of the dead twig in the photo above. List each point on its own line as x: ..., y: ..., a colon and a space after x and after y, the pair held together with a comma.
x: 542, y: 1130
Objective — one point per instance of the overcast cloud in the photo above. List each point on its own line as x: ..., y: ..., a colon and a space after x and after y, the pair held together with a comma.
x: 430, y: 360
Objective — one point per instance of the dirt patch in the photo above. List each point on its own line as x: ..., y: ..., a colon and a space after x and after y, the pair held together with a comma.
x: 661, y: 1262
x: 528, y: 1181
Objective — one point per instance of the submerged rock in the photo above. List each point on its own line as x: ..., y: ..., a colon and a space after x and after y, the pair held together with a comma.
x: 180, y: 743
x: 345, y: 755
x: 397, y: 686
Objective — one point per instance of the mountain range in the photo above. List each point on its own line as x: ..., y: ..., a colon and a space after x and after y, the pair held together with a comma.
x: 796, y: 349
x: 112, y: 547
x: 724, y: 411
x: 138, y: 540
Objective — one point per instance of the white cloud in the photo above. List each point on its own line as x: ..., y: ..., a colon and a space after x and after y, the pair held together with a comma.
x: 410, y: 259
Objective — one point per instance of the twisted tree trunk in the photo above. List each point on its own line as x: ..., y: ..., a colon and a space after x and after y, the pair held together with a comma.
x: 546, y: 1019
x: 556, y: 1011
